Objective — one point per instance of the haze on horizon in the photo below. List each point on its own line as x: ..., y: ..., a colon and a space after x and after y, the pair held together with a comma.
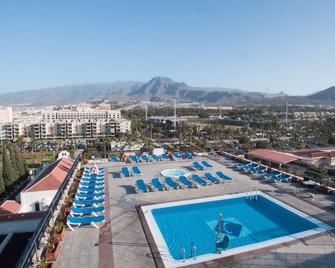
x: 270, y: 46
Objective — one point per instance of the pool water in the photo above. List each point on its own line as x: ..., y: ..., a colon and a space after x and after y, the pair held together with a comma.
x: 175, y: 172
x: 245, y: 222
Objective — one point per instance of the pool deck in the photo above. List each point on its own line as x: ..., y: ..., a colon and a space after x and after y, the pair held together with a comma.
x: 121, y: 241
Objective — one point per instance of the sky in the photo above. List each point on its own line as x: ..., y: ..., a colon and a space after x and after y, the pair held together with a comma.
x: 269, y: 45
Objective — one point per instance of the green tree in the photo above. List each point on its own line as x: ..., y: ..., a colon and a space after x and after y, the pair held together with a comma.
x: 8, y: 169
x: 2, y: 183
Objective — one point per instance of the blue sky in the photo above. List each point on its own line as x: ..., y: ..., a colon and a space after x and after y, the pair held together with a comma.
x: 254, y: 45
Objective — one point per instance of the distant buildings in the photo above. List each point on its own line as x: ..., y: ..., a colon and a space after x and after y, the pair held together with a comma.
x: 72, y: 122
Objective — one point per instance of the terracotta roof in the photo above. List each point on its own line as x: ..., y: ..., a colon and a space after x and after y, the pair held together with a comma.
x: 10, y: 207
x: 274, y: 156
x: 315, y: 153
x: 52, y: 177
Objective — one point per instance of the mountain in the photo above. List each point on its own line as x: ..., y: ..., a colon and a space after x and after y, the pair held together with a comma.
x: 69, y: 94
x: 165, y: 89
x: 161, y: 89
x: 327, y: 95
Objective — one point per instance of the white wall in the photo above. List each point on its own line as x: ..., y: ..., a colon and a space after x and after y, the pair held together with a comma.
x: 28, y: 200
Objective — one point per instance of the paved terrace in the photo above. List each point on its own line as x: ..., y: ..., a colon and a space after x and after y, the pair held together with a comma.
x: 127, y: 245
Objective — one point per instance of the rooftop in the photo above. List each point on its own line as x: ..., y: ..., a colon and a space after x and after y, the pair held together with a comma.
x: 124, y: 241
x: 10, y: 207
x: 52, y: 177
x: 274, y: 156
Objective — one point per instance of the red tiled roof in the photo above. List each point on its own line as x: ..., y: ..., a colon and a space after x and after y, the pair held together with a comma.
x: 52, y: 177
x: 274, y: 156
x: 315, y: 153
x: 9, y: 207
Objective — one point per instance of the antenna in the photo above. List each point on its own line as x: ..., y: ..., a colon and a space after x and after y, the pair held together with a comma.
x: 286, y: 110
x: 175, y: 114
x: 146, y: 110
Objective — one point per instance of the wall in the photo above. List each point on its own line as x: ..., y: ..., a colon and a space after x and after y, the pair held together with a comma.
x: 28, y: 200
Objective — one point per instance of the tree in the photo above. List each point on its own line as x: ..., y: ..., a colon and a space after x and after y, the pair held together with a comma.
x: 8, y: 169
x: 2, y: 183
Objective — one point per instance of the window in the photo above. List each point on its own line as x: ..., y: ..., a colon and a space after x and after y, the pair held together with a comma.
x: 37, y: 206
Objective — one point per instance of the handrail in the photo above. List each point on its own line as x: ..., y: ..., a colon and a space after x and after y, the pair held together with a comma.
x: 27, y: 255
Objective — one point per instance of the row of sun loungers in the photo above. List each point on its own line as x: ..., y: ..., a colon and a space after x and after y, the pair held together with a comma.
x: 127, y: 173
x: 254, y: 168
x: 183, y: 182
x: 204, y: 164
x: 146, y: 158
x: 89, y: 200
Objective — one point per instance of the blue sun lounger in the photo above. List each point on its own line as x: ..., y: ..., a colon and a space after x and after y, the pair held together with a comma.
x: 157, y: 184
x: 223, y: 176
x: 90, y: 184
x: 206, y: 164
x: 242, y: 165
x: 165, y: 157
x: 85, y: 211
x: 176, y: 155
x: 271, y: 175
x: 142, y: 186
x: 155, y: 157
x: 115, y: 159
x: 92, y: 180
x: 78, y: 221
x: 198, y: 166
x: 144, y: 158
x: 187, y: 155
x: 137, y: 171
x: 211, y: 178
x: 90, y: 190
x: 125, y: 171
x: 171, y: 183
x: 91, y: 202
x: 282, y: 178
x: 89, y: 196
x: 134, y: 158
x: 199, y: 180
x: 186, y: 182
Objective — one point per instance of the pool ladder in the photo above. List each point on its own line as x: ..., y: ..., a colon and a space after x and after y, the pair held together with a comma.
x: 193, y: 252
x: 252, y: 194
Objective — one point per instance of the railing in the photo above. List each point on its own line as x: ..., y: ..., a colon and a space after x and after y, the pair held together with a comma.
x: 26, y: 258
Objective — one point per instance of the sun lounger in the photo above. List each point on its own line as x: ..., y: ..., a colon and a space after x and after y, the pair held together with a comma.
x: 91, y: 202
x: 165, y: 157
x: 89, y: 196
x: 171, y: 183
x: 155, y: 157
x: 115, y: 159
x: 144, y: 158
x: 86, y: 211
x: 206, y: 164
x: 271, y: 175
x: 186, y: 182
x: 199, y: 180
x: 211, y: 178
x: 282, y: 178
x: 142, y: 186
x: 157, y: 184
x: 242, y: 165
x: 92, y: 180
x: 137, y: 171
x: 78, y: 221
x: 91, y: 184
x: 223, y: 176
x: 90, y: 190
x: 187, y: 155
x: 134, y: 158
x: 176, y: 155
x: 125, y: 171
x: 198, y: 166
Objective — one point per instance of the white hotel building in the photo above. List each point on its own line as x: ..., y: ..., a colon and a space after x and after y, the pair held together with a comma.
x: 67, y: 124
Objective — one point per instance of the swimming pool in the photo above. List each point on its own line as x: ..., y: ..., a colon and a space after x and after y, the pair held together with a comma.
x: 175, y: 172
x: 188, y: 229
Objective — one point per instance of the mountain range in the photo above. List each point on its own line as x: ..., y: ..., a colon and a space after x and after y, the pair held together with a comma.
x: 161, y: 89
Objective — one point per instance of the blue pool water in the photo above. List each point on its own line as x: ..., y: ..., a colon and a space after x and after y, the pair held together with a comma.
x: 175, y: 172
x: 246, y: 222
